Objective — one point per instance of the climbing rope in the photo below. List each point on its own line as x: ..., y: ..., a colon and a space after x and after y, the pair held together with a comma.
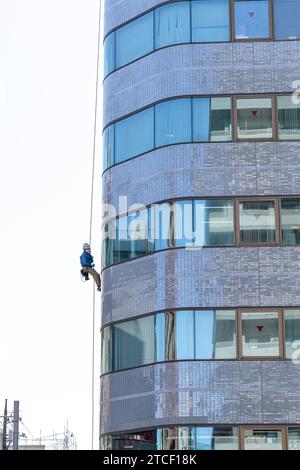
x: 91, y: 220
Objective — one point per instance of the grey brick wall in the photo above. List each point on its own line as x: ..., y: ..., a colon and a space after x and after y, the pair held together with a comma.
x: 211, y: 277
x: 243, y: 392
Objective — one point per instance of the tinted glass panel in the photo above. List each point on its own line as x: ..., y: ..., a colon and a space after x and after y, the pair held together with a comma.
x: 211, y: 119
x: 173, y: 122
x: 288, y: 118
x: 290, y: 221
x: 259, y: 439
x: 145, y: 440
x: 197, y: 438
x: 287, y: 19
x: 210, y: 20
x: 292, y: 334
x: 134, y: 135
x: 109, y: 54
x: 260, y: 334
x: 132, y: 236
x: 106, y: 352
x: 108, y: 146
x: 251, y: 19
x: 172, y: 24
x: 213, y: 222
x: 133, y: 343
x: 294, y: 439
x: 215, y: 334
x: 254, y: 117
x: 134, y: 40
x: 161, y: 226
x: 257, y: 222
x: 185, y: 335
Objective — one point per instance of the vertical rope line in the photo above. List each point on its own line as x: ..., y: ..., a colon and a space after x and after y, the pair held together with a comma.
x: 91, y: 221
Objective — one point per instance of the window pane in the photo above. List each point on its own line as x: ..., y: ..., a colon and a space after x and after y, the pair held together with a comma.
x: 172, y: 24
x: 257, y: 222
x: 106, y: 356
x: 254, y: 117
x: 288, y: 118
x: 161, y: 226
x: 108, y: 147
x: 294, y: 439
x: 173, y: 122
x: 134, y: 135
x: 133, y: 343
x: 214, y: 222
x: 260, y: 334
x: 132, y: 236
x: 145, y: 440
x: 210, y: 20
x: 251, y: 19
x: 292, y: 332
x: 165, y: 336
x: 215, y: 334
x: 290, y: 221
x: 134, y: 40
x: 259, y: 439
x: 211, y: 119
x: 109, y: 243
x: 185, y: 335
x: 287, y: 19
x: 216, y: 438
x: 109, y: 54
x: 184, y: 223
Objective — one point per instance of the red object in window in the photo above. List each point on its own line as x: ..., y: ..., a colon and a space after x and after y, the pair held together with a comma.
x: 260, y: 328
x: 254, y: 113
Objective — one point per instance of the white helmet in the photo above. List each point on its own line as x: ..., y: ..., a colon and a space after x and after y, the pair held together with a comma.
x: 86, y: 247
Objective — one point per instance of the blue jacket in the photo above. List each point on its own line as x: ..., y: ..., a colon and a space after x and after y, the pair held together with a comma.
x: 86, y: 260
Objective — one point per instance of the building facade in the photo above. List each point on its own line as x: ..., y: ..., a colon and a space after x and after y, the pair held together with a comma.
x: 201, y: 282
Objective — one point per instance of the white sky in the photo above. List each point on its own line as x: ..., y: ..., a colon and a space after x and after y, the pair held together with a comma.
x: 47, y: 93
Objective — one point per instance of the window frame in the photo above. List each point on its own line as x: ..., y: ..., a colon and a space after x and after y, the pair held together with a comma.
x: 267, y: 427
x: 259, y: 39
x: 281, y: 334
x: 276, y: 108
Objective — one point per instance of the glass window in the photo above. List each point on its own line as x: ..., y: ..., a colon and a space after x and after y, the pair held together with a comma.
x: 165, y: 336
x: 251, y: 19
x: 254, y: 118
x: 108, y: 146
x: 294, y: 439
x: 287, y: 19
x: 257, y: 222
x: 106, y: 353
x: 109, y: 54
x: 262, y: 439
x: 134, y: 40
x: 131, y: 236
x: 185, y: 334
x: 173, y: 122
x: 134, y: 135
x: 184, y: 223
x: 288, y: 117
x: 109, y: 244
x: 145, y: 440
x: 215, y: 334
x: 133, y: 343
x: 211, y: 119
x: 290, y: 221
x: 216, y: 438
x: 210, y: 20
x: 292, y: 333
x: 214, y: 222
x: 172, y: 24
x: 260, y: 334
x: 161, y: 226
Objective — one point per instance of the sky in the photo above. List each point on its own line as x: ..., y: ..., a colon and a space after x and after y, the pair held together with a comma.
x: 48, y: 53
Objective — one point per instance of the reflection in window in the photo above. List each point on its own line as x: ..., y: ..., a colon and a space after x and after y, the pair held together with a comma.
x: 288, y: 117
x: 260, y: 334
x: 292, y: 333
x: 254, y: 118
x: 290, y: 221
x: 210, y: 20
x: 197, y: 438
x: 251, y: 19
x: 161, y: 226
x: 144, y: 440
x: 133, y: 343
x: 214, y: 222
x: 109, y: 54
x: 134, y: 40
x: 185, y: 335
x: 134, y: 135
x: 173, y: 122
x: 172, y: 24
x: 261, y: 439
x: 108, y: 146
x: 106, y: 351
x: 215, y: 333
x: 257, y: 222
x: 294, y: 439
x: 287, y: 19
x: 211, y: 119
x: 165, y: 336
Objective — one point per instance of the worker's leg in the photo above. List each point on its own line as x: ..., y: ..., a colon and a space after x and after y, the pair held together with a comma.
x: 85, y: 275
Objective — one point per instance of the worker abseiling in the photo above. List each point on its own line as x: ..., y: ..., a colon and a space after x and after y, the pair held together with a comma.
x: 87, y: 264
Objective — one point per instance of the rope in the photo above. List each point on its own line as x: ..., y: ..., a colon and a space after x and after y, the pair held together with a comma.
x: 91, y: 221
